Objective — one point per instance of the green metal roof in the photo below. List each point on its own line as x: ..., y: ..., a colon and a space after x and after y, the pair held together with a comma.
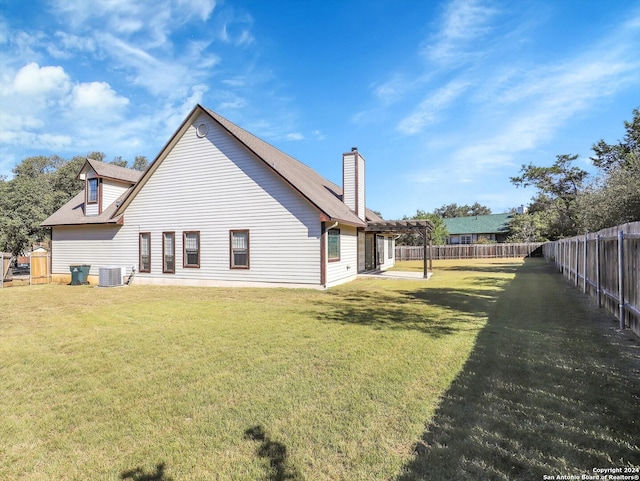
x: 479, y: 224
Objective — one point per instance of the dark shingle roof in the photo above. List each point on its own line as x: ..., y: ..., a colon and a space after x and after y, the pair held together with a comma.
x: 72, y: 213
x: 479, y: 224
x: 115, y: 172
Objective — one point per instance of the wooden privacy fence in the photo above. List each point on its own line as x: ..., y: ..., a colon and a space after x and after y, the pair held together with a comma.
x: 605, y: 265
x: 39, y: 273
x: 38, y: 270
x: 468, y: 251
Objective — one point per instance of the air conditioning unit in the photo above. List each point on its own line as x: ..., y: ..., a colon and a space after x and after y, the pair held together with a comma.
x: 109, y: 276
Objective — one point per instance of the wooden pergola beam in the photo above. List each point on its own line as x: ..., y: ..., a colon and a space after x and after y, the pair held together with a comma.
x: 422, y: 226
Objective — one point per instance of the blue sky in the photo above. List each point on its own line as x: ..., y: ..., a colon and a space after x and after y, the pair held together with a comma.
x: 445, y: 99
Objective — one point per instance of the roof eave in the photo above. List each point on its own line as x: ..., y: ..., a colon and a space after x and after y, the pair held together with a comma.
x: 111, y: 221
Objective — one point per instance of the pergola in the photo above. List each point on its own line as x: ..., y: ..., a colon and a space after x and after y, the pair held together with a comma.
x: 423, y: 227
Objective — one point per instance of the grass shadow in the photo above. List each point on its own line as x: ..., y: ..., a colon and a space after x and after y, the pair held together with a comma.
x: 544, y: 392
x: 139, y: 474
x: 275, y: 452
x: 434, y: 311
x: 489, y: 268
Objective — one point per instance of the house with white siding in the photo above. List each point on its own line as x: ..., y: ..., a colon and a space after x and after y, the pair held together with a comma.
x: 220, y: 207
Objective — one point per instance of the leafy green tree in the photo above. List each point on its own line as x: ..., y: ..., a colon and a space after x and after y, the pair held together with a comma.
x: 439, y: 233
x: 26, y: 201
x: 64, y: 181
x: 141, y: 163
x: 527, y: 227
x: 613, y: 200
x: 455, y: 210
x: 96, y: 156
x: 119, y: 161
x: 558, y: 189
x: 624, y: 154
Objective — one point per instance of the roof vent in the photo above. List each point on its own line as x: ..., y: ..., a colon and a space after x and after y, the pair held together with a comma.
x: 202, y: 130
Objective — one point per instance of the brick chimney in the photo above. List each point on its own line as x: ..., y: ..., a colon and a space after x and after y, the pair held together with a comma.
x: 353, y: 185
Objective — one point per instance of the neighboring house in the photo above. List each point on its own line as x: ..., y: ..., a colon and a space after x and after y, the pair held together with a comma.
x: 478, y: 228
x: 219, y: 206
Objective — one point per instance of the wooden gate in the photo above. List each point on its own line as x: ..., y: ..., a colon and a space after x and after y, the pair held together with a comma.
x: 39, y: 268
x: 5, y: 274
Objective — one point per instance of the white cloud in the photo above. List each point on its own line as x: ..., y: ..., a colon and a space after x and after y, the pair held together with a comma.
x: 235, y: 82
x: 420, y: 178
x: 35, y: 80
x: 427, y: 110
x: 96, y: 96
x: 151, y: 22
x: 294, y: 136
x: 66, y: 42
x: 463, y: 23
x: 236, y: 30
x: 318, y: 135
x: 232, y: 102
x: 393, y: 89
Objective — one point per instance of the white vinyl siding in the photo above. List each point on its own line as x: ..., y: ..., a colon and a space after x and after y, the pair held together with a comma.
x: 361, y: 189
x: 98, y: 246
x: 349, y: 180
x: 346, y: 268
x: 111, y: 190
x: 214, y: 185
x: 353, y: 182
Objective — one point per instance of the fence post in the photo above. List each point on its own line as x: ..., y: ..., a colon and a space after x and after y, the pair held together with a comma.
x: 598, y: 274
x: 584, y: 266
x: 621, y: 278
x: 577, y: 261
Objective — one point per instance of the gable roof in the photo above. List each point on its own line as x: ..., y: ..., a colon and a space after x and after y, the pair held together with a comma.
x: 111, y: 171
x: 72, y: 213
x: 479, y: 224
x: 320, y: 192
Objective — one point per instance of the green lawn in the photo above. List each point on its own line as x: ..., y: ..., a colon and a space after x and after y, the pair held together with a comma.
x: 374, y: 380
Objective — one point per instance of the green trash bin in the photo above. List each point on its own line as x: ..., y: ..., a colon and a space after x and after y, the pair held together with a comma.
x: 79, y: 274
